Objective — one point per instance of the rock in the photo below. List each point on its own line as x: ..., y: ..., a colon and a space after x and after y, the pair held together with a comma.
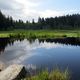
x: 2, y: 66
x: 13, y: 72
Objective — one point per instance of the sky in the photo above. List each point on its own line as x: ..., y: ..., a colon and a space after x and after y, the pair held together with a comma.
x: 32, y: 9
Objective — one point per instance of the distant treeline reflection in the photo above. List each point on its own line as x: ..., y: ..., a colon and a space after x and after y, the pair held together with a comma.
x: 4, y: 42
x: 67, y: 41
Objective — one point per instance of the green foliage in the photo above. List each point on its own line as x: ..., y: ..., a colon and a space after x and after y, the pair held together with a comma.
x: 59, y: 23
x: 59, y: 75
x: 40, y: 34
x: 56, y: 74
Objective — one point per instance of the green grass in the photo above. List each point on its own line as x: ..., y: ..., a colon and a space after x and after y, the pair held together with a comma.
x: 56, y: 74
x: 40, y: 33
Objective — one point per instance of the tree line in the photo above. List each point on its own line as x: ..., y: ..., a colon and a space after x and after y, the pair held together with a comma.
x: 61, y: 22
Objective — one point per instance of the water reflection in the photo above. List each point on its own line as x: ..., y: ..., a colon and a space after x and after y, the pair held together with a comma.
x: 22, y: 50
x: 3, y: 43
x: 68, y: 41
x: 42, y: 53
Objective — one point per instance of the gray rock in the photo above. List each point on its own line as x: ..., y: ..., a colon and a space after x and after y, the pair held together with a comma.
x: 2, y: 66
x: 13, y: 72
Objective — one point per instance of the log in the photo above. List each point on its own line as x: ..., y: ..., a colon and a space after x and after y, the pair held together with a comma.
x: 13, y: 72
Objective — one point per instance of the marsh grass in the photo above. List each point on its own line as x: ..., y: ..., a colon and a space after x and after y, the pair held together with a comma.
x: 56, y: 74
x: 40, y: 33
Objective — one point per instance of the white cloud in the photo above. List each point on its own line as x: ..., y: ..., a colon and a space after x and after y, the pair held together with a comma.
x: 51, y: 13
x: 29, y: 9
x: 27, y: 3
x: 19, y: 9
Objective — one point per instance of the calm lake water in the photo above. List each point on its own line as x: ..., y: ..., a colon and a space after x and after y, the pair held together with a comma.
x: 42, y: 54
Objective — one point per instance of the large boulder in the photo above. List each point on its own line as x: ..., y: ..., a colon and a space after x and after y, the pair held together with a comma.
x: 13, y: 72
x: 2, y: 66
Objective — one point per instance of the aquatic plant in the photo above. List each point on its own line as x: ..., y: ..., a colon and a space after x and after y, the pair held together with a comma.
x: 56, y: 74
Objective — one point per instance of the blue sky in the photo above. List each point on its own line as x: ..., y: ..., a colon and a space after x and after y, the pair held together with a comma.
x: 63, y: 4
x: 29, y: 9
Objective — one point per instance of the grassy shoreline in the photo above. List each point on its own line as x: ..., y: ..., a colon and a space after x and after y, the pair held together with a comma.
x: 56, y: 74
x: 40, y: 33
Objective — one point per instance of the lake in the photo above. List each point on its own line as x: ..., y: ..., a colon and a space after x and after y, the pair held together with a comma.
x: 41, y: 54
